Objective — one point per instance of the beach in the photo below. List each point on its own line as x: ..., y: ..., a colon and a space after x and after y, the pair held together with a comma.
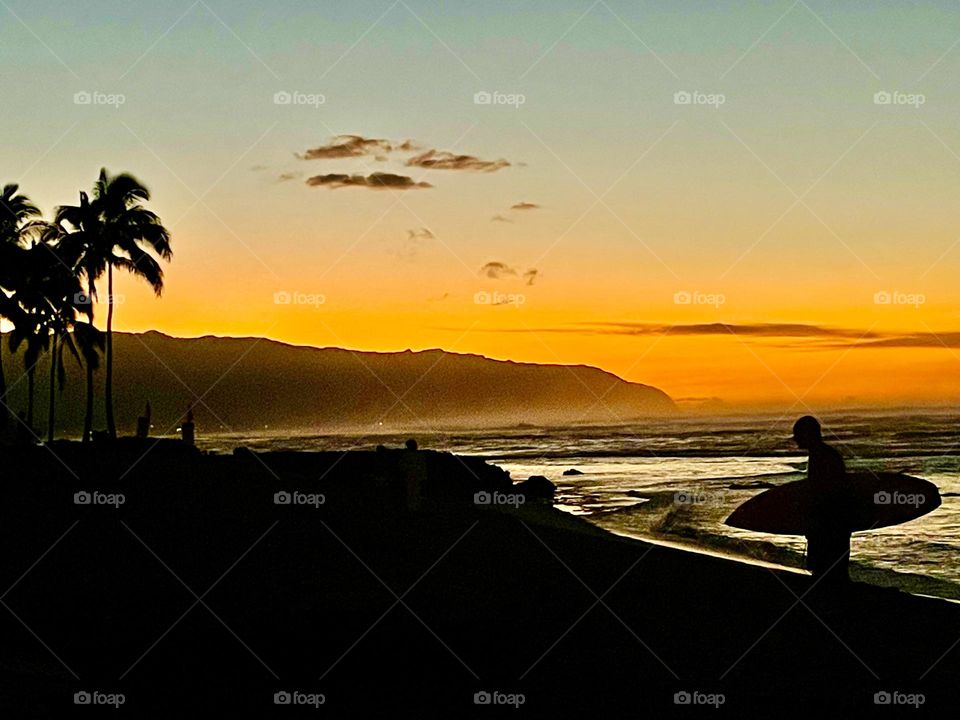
x: 677, y: 480
x: 204, y: 588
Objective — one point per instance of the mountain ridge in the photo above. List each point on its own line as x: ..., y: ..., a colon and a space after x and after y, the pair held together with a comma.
x: 247, y: 383
x: 407, y: 351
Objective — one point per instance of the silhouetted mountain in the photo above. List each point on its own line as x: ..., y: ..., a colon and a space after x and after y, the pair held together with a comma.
x: 250, y: 383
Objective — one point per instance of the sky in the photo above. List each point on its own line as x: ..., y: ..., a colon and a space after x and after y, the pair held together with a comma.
x: 751, y: 204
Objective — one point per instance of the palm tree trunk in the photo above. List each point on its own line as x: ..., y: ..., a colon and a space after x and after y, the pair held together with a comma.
x: 88, y: 415
x: 108, y: 380
x: 53, y: 390
x: 5, y: 413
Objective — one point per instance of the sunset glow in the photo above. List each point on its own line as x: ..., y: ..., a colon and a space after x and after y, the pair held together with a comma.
x: 647, y: 168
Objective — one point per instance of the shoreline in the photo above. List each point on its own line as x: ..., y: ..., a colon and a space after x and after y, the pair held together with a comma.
x: 859, y: 571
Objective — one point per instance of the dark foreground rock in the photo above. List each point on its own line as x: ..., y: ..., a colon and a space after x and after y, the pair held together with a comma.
x: 219, y: 582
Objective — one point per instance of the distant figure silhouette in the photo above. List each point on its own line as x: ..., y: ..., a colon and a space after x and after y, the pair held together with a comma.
x: 143, y: 422
x: 187, y: 427
x: 828, y: 539
x: 413, y: 467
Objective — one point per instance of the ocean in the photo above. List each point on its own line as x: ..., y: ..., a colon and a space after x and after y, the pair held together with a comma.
x: 675, y: 480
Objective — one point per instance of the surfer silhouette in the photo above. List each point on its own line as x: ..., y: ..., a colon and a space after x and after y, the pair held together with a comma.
x: 828, y: 534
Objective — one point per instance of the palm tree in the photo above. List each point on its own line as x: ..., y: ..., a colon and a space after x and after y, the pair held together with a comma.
x: 48, y: 298
x: 60, y: 339
x: 17, y: 213
x: 63, y: 297
x: 30, y: 330
x: 9, y: 310
x: 79, y: 227
x: 115, y: 230
x: 90, y: 342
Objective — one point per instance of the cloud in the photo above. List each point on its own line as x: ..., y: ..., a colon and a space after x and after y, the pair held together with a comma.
x: 818, y: 336
x: 772, y: 330
x: 939, y: 341
x: 516, y: 207
x: 409, y: 247
x: 287, y: 176
x: 497, y: 270
x: 760, y: 330
x: 531, y: 275
x: 443, y: 160
x: 421, y: 234
x: 348, y: 146
x: 373, y: 181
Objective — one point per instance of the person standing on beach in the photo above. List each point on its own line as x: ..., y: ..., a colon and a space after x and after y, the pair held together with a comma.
x: 413, y: 468
x: 828, y: 534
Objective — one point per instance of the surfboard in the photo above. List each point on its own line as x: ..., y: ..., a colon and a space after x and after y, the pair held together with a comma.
x: 862, y: 501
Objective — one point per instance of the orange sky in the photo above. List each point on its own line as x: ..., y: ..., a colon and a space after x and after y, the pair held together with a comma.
x: 795, y: 201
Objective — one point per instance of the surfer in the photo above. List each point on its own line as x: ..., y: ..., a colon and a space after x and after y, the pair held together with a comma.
x: 828, y: 537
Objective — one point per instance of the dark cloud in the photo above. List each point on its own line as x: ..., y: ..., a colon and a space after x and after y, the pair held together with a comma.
x: 761, y: 330
x: 409, y: 247
x: 516, y: 207
x: 497, y: 270
x: 374, y: 181
x: 421, y: 234
x: 772, y: 330
x: 531, y: 275
x: 349, y: 146
x: 819, y: 337
x: 939, y: 341
x: 443, y: 160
